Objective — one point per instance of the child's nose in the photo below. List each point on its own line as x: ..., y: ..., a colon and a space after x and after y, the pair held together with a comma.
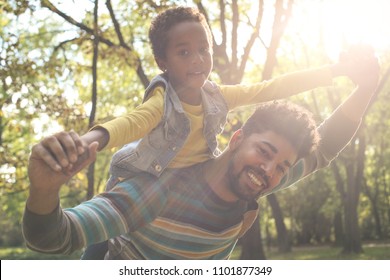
x: 197, y: 58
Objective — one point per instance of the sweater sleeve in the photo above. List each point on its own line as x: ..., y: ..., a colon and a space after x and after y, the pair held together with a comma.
x: 136, y: 124
x: 336, y: 133
x: 280, y: 87
x: 130, y: 205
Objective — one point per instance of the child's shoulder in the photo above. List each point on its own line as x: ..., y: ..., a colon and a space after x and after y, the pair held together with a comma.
x: 157, y: 86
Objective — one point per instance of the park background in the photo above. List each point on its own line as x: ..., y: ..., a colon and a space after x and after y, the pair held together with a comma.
x: 71, y: 64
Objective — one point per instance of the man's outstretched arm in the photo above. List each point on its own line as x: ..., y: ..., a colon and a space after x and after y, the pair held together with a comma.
x: 338, y: 130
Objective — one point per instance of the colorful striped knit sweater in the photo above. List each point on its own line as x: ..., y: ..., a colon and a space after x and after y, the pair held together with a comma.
x: 153, y: 219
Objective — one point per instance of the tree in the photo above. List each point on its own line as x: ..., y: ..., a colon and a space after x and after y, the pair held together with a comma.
x: 354, y: 170
x: 252, y: 248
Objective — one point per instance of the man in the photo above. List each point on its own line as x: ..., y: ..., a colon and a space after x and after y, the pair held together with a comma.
x: 193, y: 213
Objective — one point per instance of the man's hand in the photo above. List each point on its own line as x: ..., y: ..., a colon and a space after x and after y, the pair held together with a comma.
x: 53, y: 161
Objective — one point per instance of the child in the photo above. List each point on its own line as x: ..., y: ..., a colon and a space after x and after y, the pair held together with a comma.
x: 183, y: 111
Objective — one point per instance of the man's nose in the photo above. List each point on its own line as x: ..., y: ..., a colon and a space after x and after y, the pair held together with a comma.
x: 269, y: 169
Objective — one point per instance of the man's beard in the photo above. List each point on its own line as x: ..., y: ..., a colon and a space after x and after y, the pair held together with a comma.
x: 235, y: 186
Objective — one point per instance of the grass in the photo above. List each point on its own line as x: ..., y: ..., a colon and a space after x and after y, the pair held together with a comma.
x: 372, y: 251
x: 328, y: 253
x: 21, y: 253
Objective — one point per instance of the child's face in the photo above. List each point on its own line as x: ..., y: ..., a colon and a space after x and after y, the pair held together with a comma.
x: 188, y: 58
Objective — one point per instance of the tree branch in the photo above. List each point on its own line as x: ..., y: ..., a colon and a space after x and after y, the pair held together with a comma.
x: 221, y: 60
x: 140, y: 72
x: 222, y: 22
x: 252, y: 39
x: 51, y: 7
x: 280, y: 22
x: 116, y: 26
x: 235, y: 22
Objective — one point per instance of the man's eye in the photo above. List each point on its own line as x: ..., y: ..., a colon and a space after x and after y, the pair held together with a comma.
x: 281, y: 169
x: 263, y: 152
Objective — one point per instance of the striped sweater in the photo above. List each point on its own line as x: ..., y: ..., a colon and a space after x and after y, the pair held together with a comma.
x: 177, y: 216
x: 148, y: 218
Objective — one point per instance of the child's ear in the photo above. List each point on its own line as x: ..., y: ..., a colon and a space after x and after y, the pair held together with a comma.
x: 161, y: 64
x: 236, y: 139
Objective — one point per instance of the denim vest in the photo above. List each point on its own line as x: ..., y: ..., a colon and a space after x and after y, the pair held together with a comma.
x: 154, y: 152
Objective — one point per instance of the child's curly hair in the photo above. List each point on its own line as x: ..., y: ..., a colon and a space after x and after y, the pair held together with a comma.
x: 160, y: 26
x: 287, y: 119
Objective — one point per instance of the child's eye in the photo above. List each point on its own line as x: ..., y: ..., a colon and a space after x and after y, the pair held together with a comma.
x: 184, y: 53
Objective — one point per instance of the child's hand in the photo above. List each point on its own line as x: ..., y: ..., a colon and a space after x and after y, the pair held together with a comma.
x: 359, y: 63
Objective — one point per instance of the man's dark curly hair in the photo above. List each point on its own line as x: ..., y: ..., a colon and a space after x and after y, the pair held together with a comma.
x: 160, y: 26
x: 287, y: 119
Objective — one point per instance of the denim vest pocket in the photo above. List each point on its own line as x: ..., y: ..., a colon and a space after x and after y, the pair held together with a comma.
x: 123, y: 160
x: 155, y: 137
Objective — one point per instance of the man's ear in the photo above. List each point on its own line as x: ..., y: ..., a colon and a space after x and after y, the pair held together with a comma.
x: 236, y: 139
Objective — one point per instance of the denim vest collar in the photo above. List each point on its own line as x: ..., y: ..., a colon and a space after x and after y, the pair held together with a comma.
x: 154, y: 152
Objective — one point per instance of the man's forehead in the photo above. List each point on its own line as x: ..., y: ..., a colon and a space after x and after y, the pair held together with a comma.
x: 278, y: 145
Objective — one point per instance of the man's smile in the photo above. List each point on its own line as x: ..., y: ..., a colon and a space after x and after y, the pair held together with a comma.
x: 258, y: 180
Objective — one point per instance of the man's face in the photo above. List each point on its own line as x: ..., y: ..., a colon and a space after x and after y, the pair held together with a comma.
x: 258, y: 164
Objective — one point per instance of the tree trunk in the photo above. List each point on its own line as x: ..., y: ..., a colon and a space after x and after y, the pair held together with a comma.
x: 91, y: 181
x: 251, y: 246
x: 91, y: 168
x: 378, y: 224
x: 284, y: 242
x: 373, y: 198
x: 338, y: 229
x: 352, y: 243
x: 282, y: 15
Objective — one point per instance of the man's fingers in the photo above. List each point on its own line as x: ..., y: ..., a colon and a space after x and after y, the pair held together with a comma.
x: 51, y: 151
x: 80, y: 149
x: 71, y: 144
x: 60, y: 151
x: 39, y: 152
x: 84, y: 160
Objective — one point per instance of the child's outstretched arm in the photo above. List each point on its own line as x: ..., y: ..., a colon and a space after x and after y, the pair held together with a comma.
x: 114, y: 133
x: 349, y: 65
x: 131, y: 127
x: 99, y: 135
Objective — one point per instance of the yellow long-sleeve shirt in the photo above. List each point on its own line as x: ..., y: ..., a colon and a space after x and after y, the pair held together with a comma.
x: 147, y: 116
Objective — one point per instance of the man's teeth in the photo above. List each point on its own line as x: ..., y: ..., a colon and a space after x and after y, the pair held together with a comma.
x: 254, y: 179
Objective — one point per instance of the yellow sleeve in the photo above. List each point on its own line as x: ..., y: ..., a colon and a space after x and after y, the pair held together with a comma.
x: 278, y: 88
x: 138, y: 123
